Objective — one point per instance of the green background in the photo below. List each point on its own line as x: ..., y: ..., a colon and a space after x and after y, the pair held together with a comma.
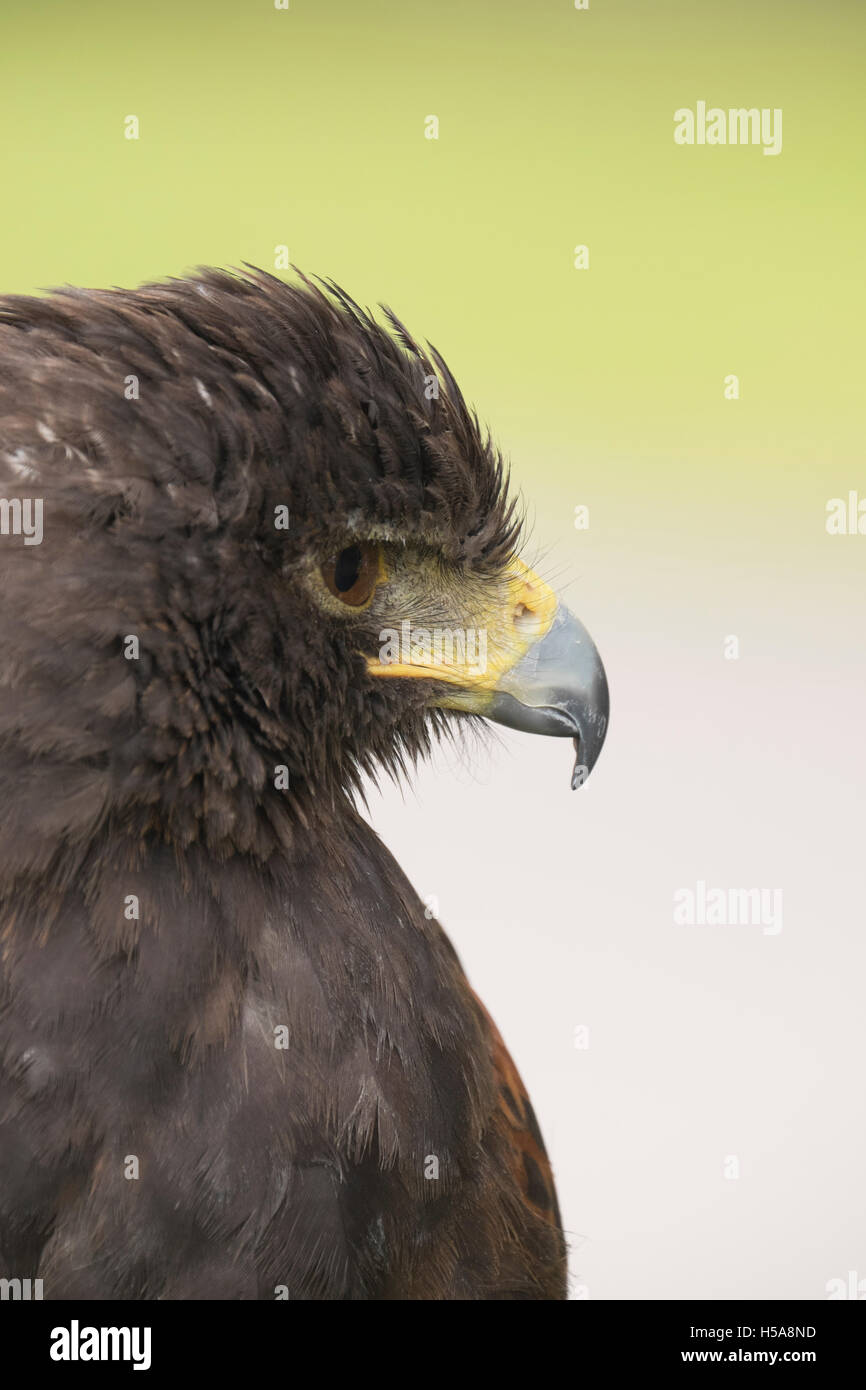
x: 306, y: 127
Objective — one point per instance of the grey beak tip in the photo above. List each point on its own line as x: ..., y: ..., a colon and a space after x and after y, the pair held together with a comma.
x: 560, y: 689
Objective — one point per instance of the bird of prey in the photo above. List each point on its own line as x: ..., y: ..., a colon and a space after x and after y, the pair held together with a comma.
x: 238, y: 1060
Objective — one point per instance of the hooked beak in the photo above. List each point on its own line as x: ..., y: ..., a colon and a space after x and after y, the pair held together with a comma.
x: 542, y: 673
x: 559, y: 687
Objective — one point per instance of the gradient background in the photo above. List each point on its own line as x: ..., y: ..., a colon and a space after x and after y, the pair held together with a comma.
x: 605, y: 387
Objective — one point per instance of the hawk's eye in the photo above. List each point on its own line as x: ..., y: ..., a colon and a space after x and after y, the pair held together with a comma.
x: 352, y: 575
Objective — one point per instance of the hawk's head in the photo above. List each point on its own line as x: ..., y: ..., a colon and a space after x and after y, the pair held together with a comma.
x: 275, y: 547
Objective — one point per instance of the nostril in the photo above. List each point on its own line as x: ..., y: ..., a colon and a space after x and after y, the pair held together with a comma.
x: 525, y: 619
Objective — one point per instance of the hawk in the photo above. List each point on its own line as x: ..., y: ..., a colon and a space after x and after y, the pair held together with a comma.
x: 254, y: 547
